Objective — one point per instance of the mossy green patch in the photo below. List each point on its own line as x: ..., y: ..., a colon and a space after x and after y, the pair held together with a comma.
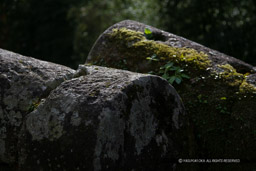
x: 233, y: 78
x: 139, y: 45
x: 230, y: 75
x: 127, y: 35
x: 245, y: 87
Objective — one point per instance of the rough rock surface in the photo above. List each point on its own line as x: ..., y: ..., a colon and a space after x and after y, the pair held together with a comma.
x: 23, y: 82
x: 53, y: 118
x: 220, y: 94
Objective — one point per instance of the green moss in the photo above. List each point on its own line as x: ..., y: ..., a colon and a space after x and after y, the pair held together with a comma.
x: 230, y: 75
x: 127, y: 35
x: 233, y: 78
x: 245, y: 87
x: 136, y: 48
x: 140, y: 45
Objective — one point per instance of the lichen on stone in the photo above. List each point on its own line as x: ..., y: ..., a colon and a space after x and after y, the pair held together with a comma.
x: 144, y: 131
x: 110, y: 137
x: 48, y: 125
x: 55, y: 127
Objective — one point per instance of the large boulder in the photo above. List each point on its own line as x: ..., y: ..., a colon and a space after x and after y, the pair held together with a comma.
x: 95, y: 118
x: 133, y: 45
x: 218, y: 91
x: 23, y: 82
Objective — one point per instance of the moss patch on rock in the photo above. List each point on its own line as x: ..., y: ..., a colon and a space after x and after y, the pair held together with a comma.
x: 141, y: 48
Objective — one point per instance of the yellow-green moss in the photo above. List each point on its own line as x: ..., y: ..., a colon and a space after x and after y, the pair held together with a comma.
x: 129, y: 36
x: 245, y: 87
x: 136, y: 40
x: 136, y: 43
x: 234, y: 78
x: 230, y: 75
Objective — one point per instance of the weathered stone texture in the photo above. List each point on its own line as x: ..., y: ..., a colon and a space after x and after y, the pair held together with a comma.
x: 108, y: 119
x: 95, y: 118
x: 23, y: 82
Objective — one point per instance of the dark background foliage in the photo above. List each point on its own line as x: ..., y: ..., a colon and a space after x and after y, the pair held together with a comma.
x: 63, y: 31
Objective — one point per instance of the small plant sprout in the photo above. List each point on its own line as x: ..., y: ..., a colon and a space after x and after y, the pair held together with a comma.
x: 169, y: 72
x: 148, y: 33
x: 153, y: 58
x: 169, y: 68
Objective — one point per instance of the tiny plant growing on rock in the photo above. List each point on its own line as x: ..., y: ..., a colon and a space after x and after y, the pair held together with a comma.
x: 153, y: 58
x: 169, y: 72
x: 148, y: 34
x: 169, y: 68
x: 33, y: 106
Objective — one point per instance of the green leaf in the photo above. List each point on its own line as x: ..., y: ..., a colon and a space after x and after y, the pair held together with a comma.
x: 147, y: 31
x: 184, y: 76
x: 199, y: 96
x: 152, y: 58
x: 170, y: 64
x: 166, y: 70
x: 151, y: 72
x: 171, y: 80
x: 223, y: 98
x: 174, y: 68
x: 178, y: 80
x: 161, y: 72
x: 178, y: 76
x: 165, y: 76
x: 178, y: 69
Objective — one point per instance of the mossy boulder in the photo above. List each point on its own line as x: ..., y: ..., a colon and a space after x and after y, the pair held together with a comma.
x: 219, y: 92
